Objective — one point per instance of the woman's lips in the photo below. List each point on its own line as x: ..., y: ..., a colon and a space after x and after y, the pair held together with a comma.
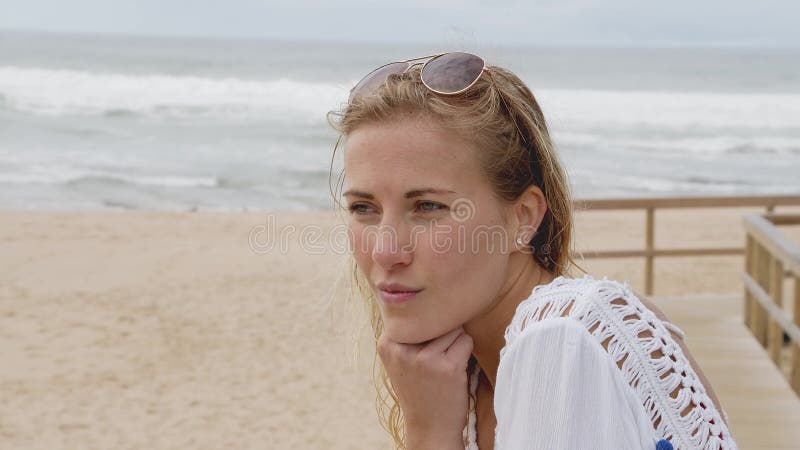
x: 398, y: 296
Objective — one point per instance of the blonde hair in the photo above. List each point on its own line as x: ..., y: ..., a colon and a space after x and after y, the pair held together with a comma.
x: 486, y: 115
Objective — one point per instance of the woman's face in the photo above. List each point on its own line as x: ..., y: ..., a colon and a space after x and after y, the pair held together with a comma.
x: 423, y: 215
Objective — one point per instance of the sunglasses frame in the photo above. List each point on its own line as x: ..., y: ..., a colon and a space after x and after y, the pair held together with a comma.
x: 429, y: 59
x: 433, y: 58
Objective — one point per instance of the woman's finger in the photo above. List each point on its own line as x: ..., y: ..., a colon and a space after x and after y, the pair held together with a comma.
x: 461, y: 349
x: 442, y: 343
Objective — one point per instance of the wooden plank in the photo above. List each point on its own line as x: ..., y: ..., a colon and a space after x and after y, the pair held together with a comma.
x: 771, y: 309
x: 774, y: 330
x: 717, y: 251
x: 758, y: 314
x: 649, y: 239
x: 777, y: 243
x: 783, y: 218
x: 795, y: 372
x: 763, y: 411
x: 748, y: 269
x: 768, y: 201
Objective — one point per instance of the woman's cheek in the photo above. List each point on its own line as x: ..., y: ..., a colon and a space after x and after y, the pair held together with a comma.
x: 439, y: 239
x: 443, y: 246
x: 359, y: 245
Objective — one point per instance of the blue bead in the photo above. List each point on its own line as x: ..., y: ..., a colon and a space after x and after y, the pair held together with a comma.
x: 663, y: 445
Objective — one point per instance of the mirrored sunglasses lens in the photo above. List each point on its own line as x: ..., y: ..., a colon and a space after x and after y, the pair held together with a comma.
x: 452, y: 72
x: 376, y: 78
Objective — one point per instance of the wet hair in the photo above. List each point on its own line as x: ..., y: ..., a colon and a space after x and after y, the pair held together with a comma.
x: 494, y: 115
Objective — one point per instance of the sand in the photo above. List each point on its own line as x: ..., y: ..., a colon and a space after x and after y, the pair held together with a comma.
x: 171, y: 330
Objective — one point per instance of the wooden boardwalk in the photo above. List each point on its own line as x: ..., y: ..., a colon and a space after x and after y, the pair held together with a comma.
x: 763, y: 411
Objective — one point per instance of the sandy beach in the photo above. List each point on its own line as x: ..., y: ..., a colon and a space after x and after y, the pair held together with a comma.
x: 138, y: 330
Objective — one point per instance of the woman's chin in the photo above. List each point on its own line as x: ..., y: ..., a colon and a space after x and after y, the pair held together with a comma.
x: 410, y: 336
x: 406, y: 338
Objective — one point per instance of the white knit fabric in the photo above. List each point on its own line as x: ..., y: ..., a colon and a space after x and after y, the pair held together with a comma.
x: 559, y: 385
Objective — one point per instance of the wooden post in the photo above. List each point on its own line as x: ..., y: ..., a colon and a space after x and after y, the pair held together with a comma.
x: 757, y: 313
x: 648, y: 265
x: 748, y: 269
x: 774, y: 330
x: 795, y: 372
x: 755, y: 257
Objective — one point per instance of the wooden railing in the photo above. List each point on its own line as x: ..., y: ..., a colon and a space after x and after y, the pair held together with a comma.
x: 769, y: 257
x: 649, y: 205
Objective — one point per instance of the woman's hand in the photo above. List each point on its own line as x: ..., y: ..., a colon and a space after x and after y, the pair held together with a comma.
x: 430, y: 380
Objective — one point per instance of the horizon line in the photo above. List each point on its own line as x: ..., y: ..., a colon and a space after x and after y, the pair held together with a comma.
x: 675, y: 45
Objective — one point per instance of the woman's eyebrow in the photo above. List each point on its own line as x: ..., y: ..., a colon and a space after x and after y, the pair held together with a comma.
x: 410, y: 194
x: 423, y: 191
x: 355, y: 193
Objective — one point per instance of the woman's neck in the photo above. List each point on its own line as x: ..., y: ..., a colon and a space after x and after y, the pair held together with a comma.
x: 488, y: 330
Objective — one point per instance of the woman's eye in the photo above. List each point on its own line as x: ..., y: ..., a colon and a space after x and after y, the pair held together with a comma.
x: 358, y: 208
x: 430, y: 206
x: 425, y: 207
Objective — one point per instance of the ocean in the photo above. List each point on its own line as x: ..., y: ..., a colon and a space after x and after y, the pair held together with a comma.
x: 144, y: 123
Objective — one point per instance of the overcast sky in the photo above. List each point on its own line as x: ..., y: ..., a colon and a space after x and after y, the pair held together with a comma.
x: 532, y: 22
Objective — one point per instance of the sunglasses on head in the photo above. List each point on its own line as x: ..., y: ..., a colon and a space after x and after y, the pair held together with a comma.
x: 444, y: 73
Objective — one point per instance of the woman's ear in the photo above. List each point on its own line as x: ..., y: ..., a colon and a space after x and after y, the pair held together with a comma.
x: 530, y: 209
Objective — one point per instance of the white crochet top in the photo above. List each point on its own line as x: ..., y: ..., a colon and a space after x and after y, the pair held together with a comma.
x: 578, y: 371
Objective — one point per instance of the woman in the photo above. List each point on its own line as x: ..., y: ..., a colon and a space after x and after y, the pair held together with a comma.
x: 460, y: 219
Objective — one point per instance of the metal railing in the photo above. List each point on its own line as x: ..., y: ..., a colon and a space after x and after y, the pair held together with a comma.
x: 650, y: 205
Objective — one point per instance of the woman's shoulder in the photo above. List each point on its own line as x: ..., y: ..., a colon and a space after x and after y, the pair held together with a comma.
x: 581, y: 289
x: 584, y: 289
x: 575, y: 298
x: 637, y: 338
x: 565, y: 296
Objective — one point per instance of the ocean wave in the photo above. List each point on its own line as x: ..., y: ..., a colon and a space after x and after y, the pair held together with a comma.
x: 651, y: 111
x: 678, y: 144
x: 57, y: 92
x: 78, y: 178
x: 664, y: 184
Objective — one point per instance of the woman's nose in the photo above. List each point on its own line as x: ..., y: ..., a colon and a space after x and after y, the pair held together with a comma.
x: 392, y: 246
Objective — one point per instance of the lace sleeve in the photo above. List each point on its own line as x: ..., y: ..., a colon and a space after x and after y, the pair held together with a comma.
x: 645, y: 353
x: 672, y: 327
x: 556, y: 389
